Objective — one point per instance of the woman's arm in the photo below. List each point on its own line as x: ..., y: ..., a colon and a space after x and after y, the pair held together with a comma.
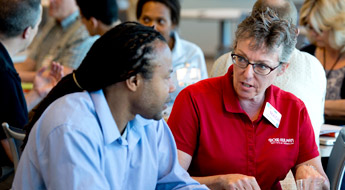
x: 335, y: 107
x: 228, y: 181
x: 312, y: 169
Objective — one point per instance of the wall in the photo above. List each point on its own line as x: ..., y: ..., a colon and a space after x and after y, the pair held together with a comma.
x: 205, y: 33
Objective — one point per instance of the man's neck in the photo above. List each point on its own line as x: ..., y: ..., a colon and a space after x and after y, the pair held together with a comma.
x: 12, y: 46
x: 104, y: 28
x: 119, y: 105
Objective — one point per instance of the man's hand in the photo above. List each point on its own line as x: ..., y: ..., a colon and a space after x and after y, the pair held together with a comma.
x: 45, y: 79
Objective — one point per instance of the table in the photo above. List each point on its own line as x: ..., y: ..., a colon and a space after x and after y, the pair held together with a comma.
x: 228, y: 19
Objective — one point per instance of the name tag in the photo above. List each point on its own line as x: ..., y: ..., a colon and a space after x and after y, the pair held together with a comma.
x: 272, y: 115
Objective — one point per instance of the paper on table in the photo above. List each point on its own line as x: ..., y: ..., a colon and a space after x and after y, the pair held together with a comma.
x: 327, y: 128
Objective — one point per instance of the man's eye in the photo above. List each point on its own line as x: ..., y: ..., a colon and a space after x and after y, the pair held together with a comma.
x: 161, y: 21
x: 146, y: 20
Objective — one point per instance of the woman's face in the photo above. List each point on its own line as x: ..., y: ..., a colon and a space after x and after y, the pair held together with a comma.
x: 158, y: 15
x: 247, y: 84
x: 319, y: 39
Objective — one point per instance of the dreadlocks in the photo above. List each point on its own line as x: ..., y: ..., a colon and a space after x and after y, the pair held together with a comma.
x: 120, y: 53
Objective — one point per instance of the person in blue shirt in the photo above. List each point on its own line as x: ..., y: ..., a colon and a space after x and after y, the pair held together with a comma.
x: 101, y: 127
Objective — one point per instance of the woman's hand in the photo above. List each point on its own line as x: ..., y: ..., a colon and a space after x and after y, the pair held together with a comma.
x: 310, y: 178
x: 238, y: 182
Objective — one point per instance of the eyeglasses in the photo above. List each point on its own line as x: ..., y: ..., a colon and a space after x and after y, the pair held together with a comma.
x: 259, y: 68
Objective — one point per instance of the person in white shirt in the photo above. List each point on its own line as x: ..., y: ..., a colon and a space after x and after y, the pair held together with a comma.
x: 187, y: 58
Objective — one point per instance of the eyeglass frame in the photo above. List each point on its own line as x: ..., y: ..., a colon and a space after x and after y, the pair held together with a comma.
x: 254, y: 64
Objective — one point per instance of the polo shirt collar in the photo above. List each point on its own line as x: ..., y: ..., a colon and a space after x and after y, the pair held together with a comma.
x: 69, y: 20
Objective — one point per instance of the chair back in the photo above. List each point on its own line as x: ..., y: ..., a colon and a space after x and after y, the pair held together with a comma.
x: 336, y: 162
x: 15, y: 139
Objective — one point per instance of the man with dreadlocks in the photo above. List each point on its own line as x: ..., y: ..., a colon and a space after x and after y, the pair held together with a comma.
x: 103, y: 127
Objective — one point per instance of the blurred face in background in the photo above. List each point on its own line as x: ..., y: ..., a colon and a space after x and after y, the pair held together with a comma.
x: 60, y: 9
x: 158, y: 15
x: 320, y: 39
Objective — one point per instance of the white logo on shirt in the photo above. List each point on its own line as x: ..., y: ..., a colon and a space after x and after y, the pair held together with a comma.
x: 285, y: 141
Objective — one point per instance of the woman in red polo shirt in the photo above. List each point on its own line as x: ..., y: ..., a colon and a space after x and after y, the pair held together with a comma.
x: 239, y: 131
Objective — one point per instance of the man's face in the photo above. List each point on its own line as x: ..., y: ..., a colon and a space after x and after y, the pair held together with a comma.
x: 155, y: 91
x: 158, y: 15
x: 60, y: 9
x: 88, y: 25
x: 247, y: 84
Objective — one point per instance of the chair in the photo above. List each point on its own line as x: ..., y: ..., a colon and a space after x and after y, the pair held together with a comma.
x: 336, y: 162
x: 15, y: 138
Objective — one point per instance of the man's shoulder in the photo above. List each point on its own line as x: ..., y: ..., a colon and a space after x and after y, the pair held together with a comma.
x: 221, y: 65
x: 77, y: 31
x: 305, y: 60
x: 71, y: 105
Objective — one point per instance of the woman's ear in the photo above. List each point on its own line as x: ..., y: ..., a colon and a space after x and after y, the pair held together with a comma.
x: 283, y: 67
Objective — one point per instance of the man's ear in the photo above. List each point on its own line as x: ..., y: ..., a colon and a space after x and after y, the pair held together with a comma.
x: 26, y: 33
x: 94, y: 22
x: 283, y: 67
x: 133, y: 82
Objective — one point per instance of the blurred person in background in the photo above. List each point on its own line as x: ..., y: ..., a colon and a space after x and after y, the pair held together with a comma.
x: 63, y: 39
x: 188, y: 59
x: 324, y: 21
x: 98, y: 17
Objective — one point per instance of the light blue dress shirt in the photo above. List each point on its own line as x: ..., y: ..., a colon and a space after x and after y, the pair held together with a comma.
x: 77, y: 145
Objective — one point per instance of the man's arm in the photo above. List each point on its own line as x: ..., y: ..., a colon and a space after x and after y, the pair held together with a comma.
x: 229, y: 181
x: 43, y: 83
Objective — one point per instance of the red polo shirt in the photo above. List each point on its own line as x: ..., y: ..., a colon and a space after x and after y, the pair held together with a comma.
x: 209, y: 124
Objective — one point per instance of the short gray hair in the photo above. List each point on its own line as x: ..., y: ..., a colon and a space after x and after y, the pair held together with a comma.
x: 17, y: 15
x: 268, y: 31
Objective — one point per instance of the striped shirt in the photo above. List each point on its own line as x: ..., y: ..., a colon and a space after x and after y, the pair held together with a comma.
x: 66, y: 42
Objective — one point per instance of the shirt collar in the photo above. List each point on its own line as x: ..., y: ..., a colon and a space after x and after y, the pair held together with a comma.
x: 110, y: 130
x: 69, y: 20
x: 6, y: 56
x: 177, y: 50
x: 105, y: 118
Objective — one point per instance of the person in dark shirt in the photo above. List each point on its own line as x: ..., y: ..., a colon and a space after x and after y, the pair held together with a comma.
x: 19, y: 20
